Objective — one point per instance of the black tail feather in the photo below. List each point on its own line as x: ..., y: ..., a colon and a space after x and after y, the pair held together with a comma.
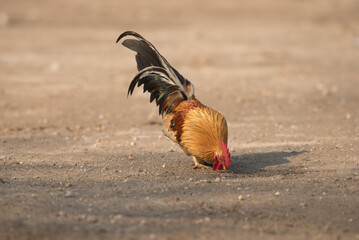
x: 159, y: 78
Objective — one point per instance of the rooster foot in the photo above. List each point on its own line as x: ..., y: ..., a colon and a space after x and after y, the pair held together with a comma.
x: 197, y: 164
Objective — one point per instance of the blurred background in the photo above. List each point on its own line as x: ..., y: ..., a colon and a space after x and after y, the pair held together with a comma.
x: 60, y: 66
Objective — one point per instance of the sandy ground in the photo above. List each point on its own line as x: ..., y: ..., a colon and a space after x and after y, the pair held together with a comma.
x: 78, y: 160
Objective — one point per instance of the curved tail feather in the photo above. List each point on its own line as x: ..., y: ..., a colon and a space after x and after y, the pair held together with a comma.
x: 164, y: 83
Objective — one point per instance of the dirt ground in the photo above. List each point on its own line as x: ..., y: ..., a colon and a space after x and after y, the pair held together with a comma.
x: 80, y: 160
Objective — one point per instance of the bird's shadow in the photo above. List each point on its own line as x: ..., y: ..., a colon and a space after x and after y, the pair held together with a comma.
x: 256, y: 162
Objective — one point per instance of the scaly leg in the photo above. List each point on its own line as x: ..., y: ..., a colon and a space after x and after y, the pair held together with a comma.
x: 197, y: 164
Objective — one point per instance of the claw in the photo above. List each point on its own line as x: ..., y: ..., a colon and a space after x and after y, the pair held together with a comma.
x: 201, y: 166
x: 197, y: 164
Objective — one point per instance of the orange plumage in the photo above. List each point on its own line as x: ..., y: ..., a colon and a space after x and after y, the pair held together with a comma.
x: 199, y: 130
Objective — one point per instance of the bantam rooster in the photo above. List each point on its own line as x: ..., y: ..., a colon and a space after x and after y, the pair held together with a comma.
x: 200, y: 131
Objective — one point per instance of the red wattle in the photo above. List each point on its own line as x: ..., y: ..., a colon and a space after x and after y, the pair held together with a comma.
x: 217, y: 166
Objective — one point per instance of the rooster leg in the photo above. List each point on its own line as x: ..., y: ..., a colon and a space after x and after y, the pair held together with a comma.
x: 197, y: 164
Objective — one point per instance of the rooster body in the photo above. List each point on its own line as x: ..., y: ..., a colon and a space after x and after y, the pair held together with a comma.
x: 200, y: 131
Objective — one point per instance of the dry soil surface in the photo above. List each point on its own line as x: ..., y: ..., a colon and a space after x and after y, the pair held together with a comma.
x: 80, y: 160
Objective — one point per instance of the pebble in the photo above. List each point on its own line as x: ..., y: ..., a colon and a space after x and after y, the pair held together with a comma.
x: 303, y: 205
x: 217, y: 179
x: 115, y: 218
x: 277, y: 193
x: 240, y: 197
x: 92, y: 219
x: 80, y: 217
x: 69, y: 194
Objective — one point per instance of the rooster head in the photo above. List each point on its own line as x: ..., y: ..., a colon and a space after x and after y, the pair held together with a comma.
x: 222, y: 161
